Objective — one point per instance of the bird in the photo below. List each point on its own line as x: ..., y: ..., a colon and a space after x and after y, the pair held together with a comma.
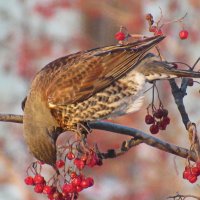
x: 87, y: 86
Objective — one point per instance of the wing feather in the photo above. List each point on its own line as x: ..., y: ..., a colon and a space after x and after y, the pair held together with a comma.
x: 94, y: 70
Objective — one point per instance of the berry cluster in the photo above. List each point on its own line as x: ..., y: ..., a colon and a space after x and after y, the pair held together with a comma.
x: 70, y: 180
x: 158, y: 121
x: 192, y: 172
x: 156, y: 29
x: 69, y: 190
x: 152, y: 28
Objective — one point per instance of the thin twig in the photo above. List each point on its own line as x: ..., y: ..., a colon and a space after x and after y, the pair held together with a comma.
x: 182, y: 197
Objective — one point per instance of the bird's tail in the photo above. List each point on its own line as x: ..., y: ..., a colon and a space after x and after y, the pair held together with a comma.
x: 157, y: 70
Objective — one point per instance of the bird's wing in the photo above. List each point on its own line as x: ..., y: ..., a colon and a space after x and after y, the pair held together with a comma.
x: 86, y: 73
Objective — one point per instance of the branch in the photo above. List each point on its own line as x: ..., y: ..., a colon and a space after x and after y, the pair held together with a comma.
x: 182, y: 197
x: 178, y: 94
x: 123, y: 130
x: 146, y: 138
x: 11, y: 118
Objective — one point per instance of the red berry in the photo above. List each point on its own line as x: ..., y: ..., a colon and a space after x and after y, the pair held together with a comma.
x: 198, y: 164
x: 90, y: 181
x: 149, y: 119
x: 195, y: 171
x: 68, y: 188
x: 158, y: 32
x: 166, y: 120
x: 79, y: 163
x: 39, y: 188
x: 120, y: 36
x: 190, y: 82
x: 84, y: 158
x: 70, y: 155
x: 79, y: 188
x: 66, y: 196
x: 29, y: 180
x: 183, y: 34
x: 47, y: 189
x: 153, y: 29
x: 73, y: 175
x: 192, y: 178
x: 57, y: 196
x: 38, y: 179
x: 76, y: 181
x: 154, y: 128
x: 85, y: 183
x: 60, y: 163
x: 93, y: 160
x: 158, y: 113
x: 186, y: 174
x: 162, y: 125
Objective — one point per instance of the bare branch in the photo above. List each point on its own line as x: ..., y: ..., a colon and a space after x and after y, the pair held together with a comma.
x: 126, y: 145
x: 178, y: 94
x: 146, y: 138
x: 11, y: 118
x: 138, y: 136
x: 183, y: 197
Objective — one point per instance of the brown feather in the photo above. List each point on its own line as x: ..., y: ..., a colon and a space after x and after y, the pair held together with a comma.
x: 93, y: 70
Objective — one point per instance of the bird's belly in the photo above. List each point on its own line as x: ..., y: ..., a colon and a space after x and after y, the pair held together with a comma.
x: 121, y: 97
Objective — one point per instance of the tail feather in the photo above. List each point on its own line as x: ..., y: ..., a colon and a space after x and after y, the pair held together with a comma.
x: 157, y: 70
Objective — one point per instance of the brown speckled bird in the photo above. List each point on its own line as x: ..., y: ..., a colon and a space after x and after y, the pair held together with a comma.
x: 87, y: 86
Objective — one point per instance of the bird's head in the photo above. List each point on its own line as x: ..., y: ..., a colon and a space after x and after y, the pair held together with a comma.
x: 40, y: 130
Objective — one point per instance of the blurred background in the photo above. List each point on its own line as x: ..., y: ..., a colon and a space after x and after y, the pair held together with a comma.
x: 33, y: 33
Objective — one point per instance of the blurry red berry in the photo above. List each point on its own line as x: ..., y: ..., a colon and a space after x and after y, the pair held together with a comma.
x: 57, y: 196
x: 84, y: 158
x: 76, y: 181
x: 70, y: 155
x: 198, y: 164
x: 190, y: 82
x: 120, y: 36
x: 29, y: 180
x: 39, y: 188
x: 186, y: 174
x: 195, y: 171
x: 183, y: 34
x: 154, y: 128
x: 166, y: 120
x: 79, y: 163
x: 158, y: 32
x: 149, y: 119
x: 79, y: 188
x: 162, y: 125
x: 73, y: 175
x: 153, y: 29
x: 60, y: 163
x: 192, y: 178
x: 38, y: 179
x: 90, y: 181
x: 47, y: 189
x: 68, y: 188
x: 158, y: 113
